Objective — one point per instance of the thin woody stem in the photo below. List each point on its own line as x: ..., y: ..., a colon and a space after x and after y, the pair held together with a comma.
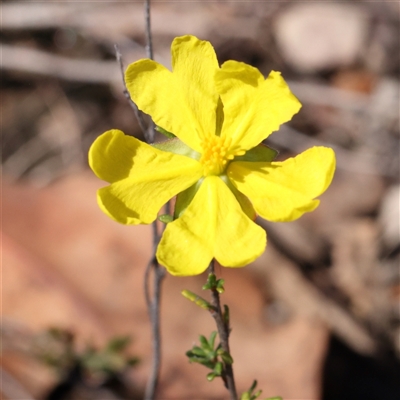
x: 223, y: 332
x: 150, y: 132
x: 149, y: 40
x: 138, y: 113
x: 153, y: 302
x: 147, y: 129
x: 153, y: 299
x: 153, y: 307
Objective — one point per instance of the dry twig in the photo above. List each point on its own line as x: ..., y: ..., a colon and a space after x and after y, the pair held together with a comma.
x: 28, y: 60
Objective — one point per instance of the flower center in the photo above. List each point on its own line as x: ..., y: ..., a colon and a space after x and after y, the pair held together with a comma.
x: 216, y: 154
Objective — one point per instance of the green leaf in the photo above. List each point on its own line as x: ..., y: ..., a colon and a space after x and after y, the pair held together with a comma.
x: 214, y: 284
x: 212, y: 339
x: 260, y: 153
x: 207, y: 363
x: 118, y: 344
x: 195, y: 359
x: 220, y: 286
x: 211, y: 376
x: 196, y: 351
x: 218, y: 368
x: 196, y: 299
x: 253, y: 386
x: 211, y: 282
x: 204, y: 343
x: 249, y: 395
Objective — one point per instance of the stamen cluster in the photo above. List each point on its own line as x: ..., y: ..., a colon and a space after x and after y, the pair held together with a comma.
x: 216, y: 154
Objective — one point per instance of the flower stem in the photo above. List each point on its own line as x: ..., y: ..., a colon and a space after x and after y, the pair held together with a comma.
x: 223, y: 332
x: 149, y: 40
x: 138, y: 113
x: 150, y: 132
x: 153, y: 301
x: 153, y: 307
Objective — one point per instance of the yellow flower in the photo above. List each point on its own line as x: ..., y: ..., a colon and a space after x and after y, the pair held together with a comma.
x: 222, y: 175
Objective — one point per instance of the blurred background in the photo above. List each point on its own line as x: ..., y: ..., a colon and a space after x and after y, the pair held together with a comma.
x: 316, y: 317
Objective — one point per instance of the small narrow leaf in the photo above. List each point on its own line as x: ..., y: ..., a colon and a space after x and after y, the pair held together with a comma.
x: 211, y: 376
x: 204, y: 343
x: 196, y: 351
x: 211, y: 282
x: 197, y: 300
x: 218, y: 368
x: 220, y: 287
x: 253, y: 386
x: 212, y: 339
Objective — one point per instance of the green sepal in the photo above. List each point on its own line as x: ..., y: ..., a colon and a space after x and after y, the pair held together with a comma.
x: 166, y: 218
x: 164, y: 132
x: 244, y: 202
x: 275, y: 398
x: 184, y: 198
x: 260, y: 153
x: 177, y: 147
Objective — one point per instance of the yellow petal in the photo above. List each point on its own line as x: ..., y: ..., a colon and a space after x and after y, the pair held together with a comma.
x: 184, y: 101
x: 254, y: 107
x: 111, y: 155
x: 283, y: 191
x: 213, y: 226
x: 143, y: 178
x: 194, y: 64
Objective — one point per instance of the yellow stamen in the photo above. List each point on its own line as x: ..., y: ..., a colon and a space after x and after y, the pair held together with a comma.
x: 216, y: 154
